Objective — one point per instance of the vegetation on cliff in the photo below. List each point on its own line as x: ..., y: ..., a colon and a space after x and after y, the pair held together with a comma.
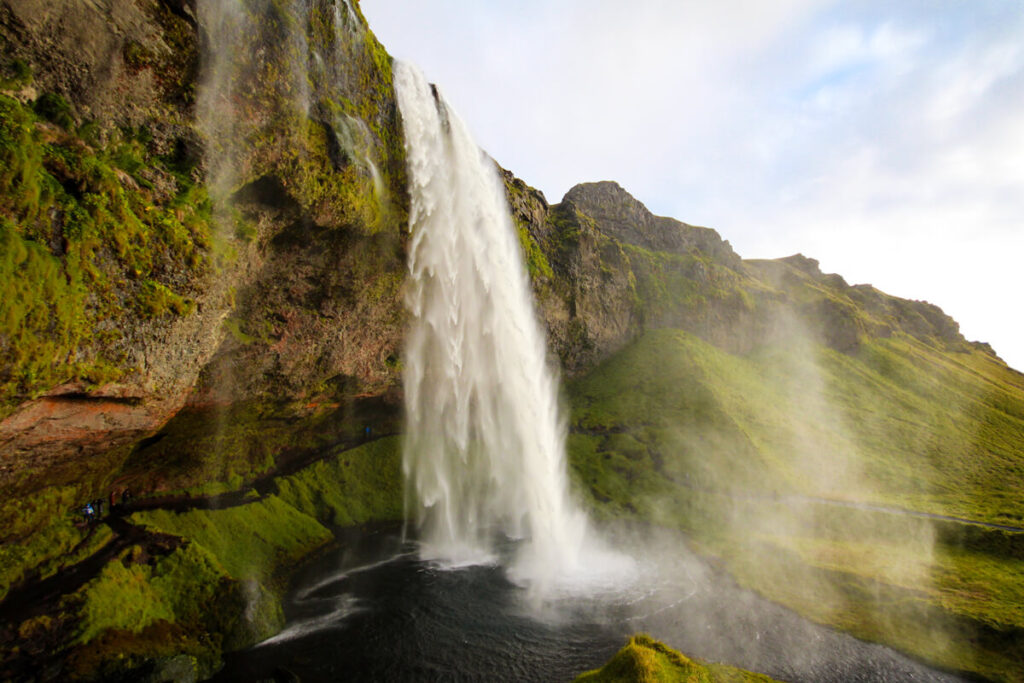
x: 113, y: 234
x: 797, y: 428
x: 645, y: 660
x: 91, y: 237
x: 811, y: 475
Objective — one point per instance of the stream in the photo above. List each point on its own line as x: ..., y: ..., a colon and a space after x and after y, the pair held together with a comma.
x: 373, y: 611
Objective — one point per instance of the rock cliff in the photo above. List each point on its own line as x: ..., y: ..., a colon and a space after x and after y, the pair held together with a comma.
x: 243, y: 247
x: 605, y: 269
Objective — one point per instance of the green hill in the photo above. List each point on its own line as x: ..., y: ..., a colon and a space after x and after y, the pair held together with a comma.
x: 792, y: 463
x: 645, y: 660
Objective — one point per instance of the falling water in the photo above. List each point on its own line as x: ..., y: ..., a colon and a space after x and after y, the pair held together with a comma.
x: 485, y: 448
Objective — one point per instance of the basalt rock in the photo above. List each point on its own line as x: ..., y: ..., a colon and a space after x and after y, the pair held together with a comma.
x: 618, y: 214
x: 293, y: 295
x: 615, y: 270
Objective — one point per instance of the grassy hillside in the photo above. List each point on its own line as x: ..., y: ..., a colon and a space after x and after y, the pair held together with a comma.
x: 192, y: 583
x: 784, y: 462
x: 645, y: 660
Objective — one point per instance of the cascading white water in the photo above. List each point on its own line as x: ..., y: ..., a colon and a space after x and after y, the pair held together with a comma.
x: 485, y: 444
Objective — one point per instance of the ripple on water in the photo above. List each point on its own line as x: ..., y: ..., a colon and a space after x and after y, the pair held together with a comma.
x: 377, y: 612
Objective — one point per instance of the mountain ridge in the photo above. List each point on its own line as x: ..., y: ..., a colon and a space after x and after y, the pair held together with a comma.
x: 750, y: 296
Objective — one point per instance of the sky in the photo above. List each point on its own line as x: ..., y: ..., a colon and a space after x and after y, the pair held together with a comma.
x: 885, y: 139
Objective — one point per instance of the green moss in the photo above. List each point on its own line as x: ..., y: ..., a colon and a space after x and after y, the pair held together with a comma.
x: 85, y: 243
x: 645, y: 660
x: 536, y: 262
x: 565, y: 224
x: 16, y: 75
x: 223, y: 588
x: 143, y: 609
x: 329, y: 171
x: 352, y: 487
x: 234, y: 328
x: 156, y: 299
x: 679, y: 432
x: 55, y: 109
x: 259, y: 540
x: 40, y: 551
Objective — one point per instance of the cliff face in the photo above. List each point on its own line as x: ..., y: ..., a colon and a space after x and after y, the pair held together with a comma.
x: 112, y: 280
x: 609, y: 270
x: 201, y: 288
x: 281, y: 287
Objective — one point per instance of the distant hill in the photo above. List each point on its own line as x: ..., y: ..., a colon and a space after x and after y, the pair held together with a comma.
x: 606, y: 269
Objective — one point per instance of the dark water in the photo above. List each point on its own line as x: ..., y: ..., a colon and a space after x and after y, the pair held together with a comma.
x: 374, y: 612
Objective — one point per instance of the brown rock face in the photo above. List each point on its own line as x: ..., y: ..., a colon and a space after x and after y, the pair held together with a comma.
x: 70, y: 423
x: 120, y: 62
x: 616, y: 270
x: 301, y: 301
x: 618, y: 214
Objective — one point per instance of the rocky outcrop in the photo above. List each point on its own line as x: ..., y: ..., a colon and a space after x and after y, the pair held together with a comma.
x: 610, y: 270
x: 618, y: 214
x: 119, y: 63
x: 116, y: 81
x: 841, y: 314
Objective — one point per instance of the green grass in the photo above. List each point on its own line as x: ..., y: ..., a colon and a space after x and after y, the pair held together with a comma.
x: 142, y: 608
x: 254, y: 541
x: 735, y: 449
x: 222, y: 588
x: 130, y: 596
x: 645, y: 660
x: 261, y: 539
x: 41, y: 537
x: 352, y: 487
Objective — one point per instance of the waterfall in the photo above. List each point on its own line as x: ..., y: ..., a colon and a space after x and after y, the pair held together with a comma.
x: 485, y: 444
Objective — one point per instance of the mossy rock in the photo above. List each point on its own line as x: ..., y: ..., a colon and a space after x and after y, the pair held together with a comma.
x: 645, y: 660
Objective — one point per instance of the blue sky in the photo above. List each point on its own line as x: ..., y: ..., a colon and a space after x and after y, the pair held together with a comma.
x: 884, y: 139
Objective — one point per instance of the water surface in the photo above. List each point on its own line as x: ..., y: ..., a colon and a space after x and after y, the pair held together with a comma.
x: 374, y: 612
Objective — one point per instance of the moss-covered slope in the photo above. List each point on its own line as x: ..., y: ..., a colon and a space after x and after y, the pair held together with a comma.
x: 645, y: 660
x: 837, y: 484
x: 195, y: 579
